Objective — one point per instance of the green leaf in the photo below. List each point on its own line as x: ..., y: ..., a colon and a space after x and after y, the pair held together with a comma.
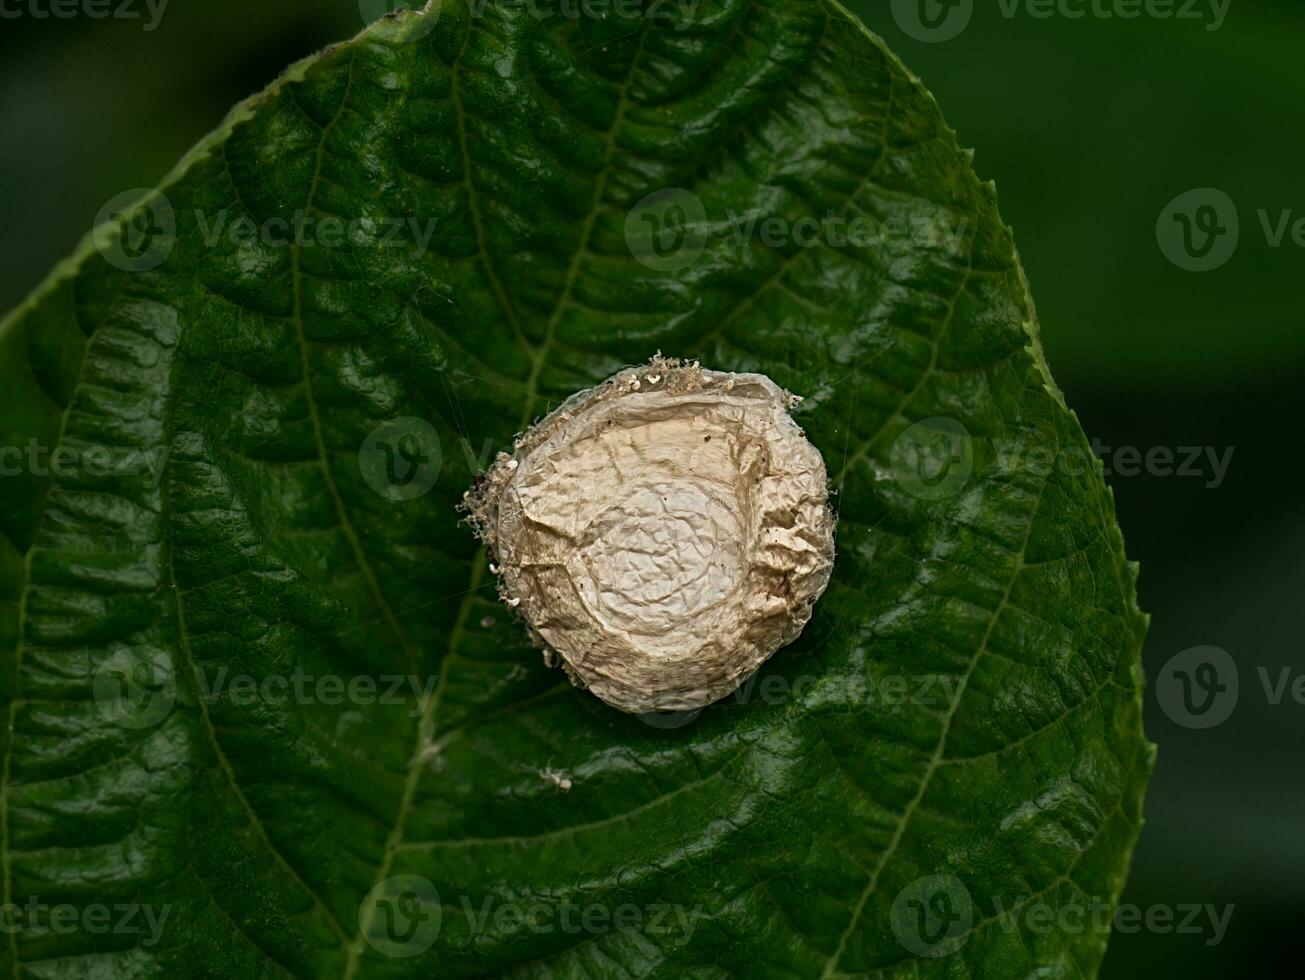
x: 206, y: 532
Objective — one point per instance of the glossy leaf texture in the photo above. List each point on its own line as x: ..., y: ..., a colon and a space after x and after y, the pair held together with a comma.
x: 956, y: 734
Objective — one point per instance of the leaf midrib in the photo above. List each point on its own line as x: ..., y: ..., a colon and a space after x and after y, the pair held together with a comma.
x: 426, y: 725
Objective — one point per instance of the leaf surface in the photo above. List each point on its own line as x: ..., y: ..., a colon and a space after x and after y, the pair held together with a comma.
x: 183, y: 620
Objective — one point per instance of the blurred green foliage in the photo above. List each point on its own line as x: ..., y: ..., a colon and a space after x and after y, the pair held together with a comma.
x: 1089, y: 127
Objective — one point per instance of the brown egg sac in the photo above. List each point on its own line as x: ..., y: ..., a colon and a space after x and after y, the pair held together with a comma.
x: 662, y: 534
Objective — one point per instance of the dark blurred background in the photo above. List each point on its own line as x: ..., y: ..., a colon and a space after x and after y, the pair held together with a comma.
x: 1090, y: 126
